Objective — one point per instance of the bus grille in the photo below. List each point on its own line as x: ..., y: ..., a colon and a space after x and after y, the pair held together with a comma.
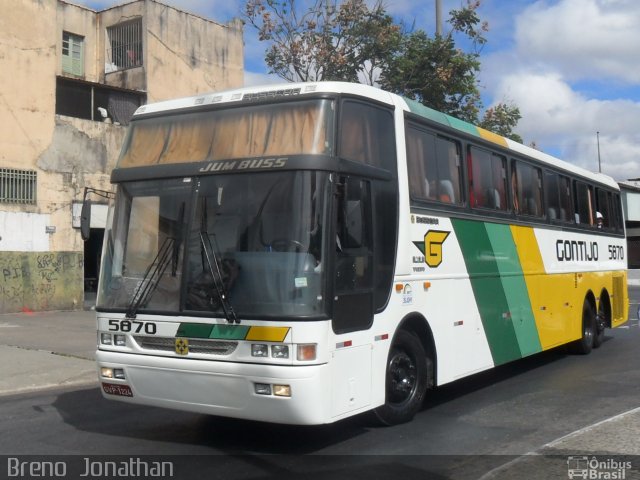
x: 168, y: 344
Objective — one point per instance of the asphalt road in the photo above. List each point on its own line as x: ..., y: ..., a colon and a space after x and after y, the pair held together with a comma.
x: 465, y: 429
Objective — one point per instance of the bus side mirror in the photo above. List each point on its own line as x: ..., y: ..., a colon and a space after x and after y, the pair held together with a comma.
x: 85, y: 219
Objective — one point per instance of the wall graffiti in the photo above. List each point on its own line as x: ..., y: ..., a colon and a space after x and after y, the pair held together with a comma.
x: 41, y: 281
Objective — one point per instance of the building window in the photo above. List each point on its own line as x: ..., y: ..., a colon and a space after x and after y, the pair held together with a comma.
x: 79, y: 99
x: 17, y: 186
x: 72, y: 54
x: 124, y: 46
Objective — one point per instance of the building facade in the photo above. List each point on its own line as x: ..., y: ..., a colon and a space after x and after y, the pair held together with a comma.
x: 630, y: 194
x: 69, y: 83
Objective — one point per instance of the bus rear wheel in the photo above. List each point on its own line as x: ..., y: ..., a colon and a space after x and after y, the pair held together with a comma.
x: 601, y: 323
x: 406, y: 380
x: 584, y: 345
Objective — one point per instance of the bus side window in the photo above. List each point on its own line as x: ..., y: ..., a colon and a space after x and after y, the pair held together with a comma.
x: 526, y: 185
x: 367, y: 135
x: 585, y: 206
x: 449, y: 164
x: 487, y: 178
x: 603, y: 206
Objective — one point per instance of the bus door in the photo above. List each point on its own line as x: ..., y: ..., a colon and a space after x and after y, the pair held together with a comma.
x: 353, y: 287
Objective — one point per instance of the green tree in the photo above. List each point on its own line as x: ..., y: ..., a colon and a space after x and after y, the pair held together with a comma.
x: 502, y: 119
x: 435, y: 73
x: 350, y: 41
x: 346, y: 41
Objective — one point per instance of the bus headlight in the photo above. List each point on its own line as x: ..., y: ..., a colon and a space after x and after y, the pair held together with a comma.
x: 280, y: 351
x: 259, y: 350
x: 120, y: 340
x: 105, y: 339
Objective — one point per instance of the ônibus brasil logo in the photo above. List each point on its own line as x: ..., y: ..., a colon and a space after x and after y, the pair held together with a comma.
x: 592, y: 468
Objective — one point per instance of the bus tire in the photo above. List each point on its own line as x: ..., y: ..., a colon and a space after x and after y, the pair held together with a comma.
x: 601, y: 323
x: 406, y: 380
x: 586, y: 342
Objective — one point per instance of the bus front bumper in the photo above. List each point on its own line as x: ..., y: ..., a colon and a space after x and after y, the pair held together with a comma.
x: 219, y: 388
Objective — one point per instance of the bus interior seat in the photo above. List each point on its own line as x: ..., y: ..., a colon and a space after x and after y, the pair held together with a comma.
x: 226, y: 230
x: 446, y: 191
x: 493, y: 197
x: 553, y: 215
x: 563, y: 215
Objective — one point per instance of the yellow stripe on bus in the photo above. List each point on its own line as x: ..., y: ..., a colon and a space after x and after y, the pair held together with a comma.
x: 550, y: 295
x: 492, y: 137
x: 267, y: 334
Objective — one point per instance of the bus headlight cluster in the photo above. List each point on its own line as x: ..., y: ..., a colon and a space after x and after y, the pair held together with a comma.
x: 304, y: 352
x: 262, y: 350
x: 109, y: 339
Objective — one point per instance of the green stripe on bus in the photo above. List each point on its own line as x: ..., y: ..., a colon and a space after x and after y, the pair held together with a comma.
x: 229, y: 332
x: 431, y: 114
x: 194, y: 330
x: 463, y: 126
x: 515, y: 288
x: 488, y: 290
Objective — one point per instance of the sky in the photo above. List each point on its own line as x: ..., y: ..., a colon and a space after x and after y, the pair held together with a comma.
x: 571, y: 66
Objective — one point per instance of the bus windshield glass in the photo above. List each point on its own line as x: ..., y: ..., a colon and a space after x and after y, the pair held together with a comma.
x: 291, y: 128
x: 256, y: 238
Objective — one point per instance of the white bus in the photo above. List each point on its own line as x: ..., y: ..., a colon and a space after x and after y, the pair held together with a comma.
x: 304, y: 253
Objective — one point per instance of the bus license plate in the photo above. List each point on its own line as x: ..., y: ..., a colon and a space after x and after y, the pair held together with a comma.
x: 121, y: 390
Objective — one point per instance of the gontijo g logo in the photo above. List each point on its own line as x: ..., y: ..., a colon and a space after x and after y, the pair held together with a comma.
x: 431, y: 248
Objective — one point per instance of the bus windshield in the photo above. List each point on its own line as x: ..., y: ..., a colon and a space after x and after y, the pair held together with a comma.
x: 259, y: 236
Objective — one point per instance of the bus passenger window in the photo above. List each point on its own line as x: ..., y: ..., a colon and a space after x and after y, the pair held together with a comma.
x: 585, y: 206
x: 487, y: 179
x: 434, y: 167
x: 448, y: 168
x: 526, y: 184
x: 558, y: 197
x: 604, y: 207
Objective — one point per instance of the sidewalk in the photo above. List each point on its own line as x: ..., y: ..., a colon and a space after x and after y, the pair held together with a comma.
x: 46, y: 349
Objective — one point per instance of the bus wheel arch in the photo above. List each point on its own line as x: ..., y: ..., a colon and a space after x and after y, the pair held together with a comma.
x: 603, y: 317
x: 409, y: 371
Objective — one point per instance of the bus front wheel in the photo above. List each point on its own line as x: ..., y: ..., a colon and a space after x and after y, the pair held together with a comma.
x: 406, y: 380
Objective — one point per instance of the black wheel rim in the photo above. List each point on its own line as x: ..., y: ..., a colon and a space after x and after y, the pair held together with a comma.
x: 402, y: 377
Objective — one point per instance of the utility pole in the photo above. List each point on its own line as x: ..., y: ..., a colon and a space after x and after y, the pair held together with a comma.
x: 439, y: 18
x: 598, y: 140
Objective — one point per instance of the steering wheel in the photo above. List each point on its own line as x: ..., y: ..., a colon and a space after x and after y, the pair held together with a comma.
x: 287, y: 245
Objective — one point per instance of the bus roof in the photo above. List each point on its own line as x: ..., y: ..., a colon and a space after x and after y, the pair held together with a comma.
x: 295, y: 89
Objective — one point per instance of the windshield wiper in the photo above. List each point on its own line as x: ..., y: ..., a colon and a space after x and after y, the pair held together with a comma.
x: 152, y: 277
x: 216, y: 275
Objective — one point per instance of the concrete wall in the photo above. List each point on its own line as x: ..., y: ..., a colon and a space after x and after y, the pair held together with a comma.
x: 187, y: 55
x: 40, y: 281
x: 27, y: 77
